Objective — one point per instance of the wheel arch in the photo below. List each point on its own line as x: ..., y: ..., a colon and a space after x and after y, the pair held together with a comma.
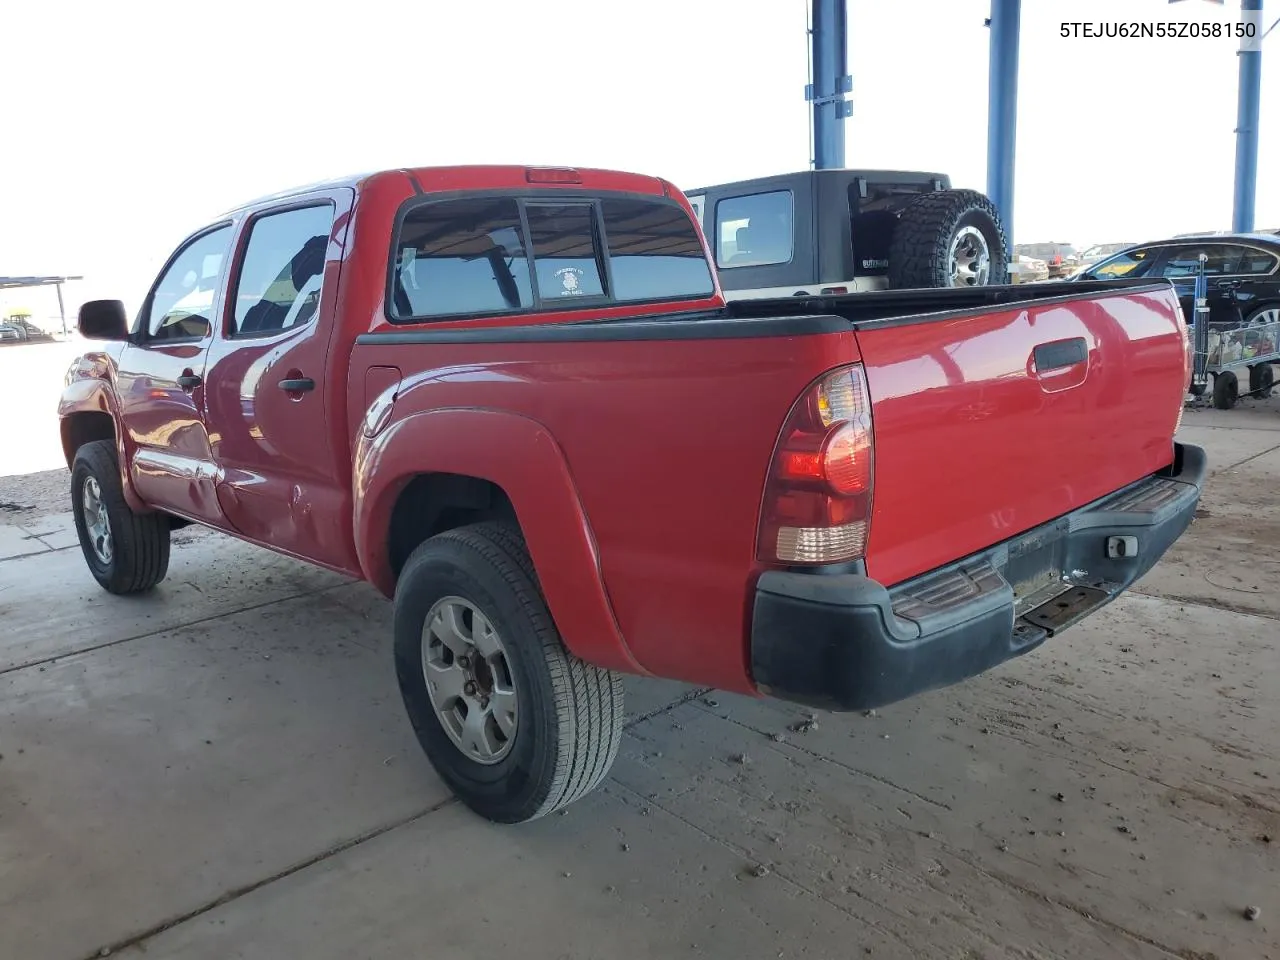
x: 1255, y: 309
x: 439, y: 469
x: 87, y: 412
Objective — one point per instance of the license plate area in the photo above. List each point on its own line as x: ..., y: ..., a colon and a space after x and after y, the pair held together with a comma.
x: 1034, y: 567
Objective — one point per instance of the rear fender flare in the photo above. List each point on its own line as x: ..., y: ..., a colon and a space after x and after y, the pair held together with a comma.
x: 96, y: 396
x: 519, y: 455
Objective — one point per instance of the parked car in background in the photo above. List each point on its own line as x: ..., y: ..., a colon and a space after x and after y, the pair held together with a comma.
x: 1243, y: 273
x: 1100, y: 251
x: 20, y: 329
x: 1027, y: 270
x: 1062, y: 258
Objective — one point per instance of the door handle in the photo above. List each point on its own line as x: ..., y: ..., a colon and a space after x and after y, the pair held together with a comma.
x: 297, y: 385
x: 189, y: 381
x: 1060, y: 353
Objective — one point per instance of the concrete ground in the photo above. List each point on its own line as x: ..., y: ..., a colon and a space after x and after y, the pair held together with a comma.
x: 223, y: 769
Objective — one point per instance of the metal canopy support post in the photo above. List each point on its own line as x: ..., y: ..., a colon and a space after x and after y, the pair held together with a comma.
x: 829, y: 83
x: 1247, y: 126
x: 1002, y: 107
x: 62, y: 308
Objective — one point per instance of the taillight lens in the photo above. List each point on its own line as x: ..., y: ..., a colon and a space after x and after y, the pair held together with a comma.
x: 1188, y: 365
x: 817, y: 502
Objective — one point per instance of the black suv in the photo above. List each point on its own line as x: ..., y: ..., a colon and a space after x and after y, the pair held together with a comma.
x: 848, y: 231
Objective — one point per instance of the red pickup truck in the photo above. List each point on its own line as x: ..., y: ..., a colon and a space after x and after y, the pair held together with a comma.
x: 515, y: 400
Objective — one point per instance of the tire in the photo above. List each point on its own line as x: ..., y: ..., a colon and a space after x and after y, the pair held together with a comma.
x: 136, y: 557
x: 1198, y: 389
x: 1267, y: 313
x: 1226, y: 389
x: 920, y: 254
x: 1261, y: 378
x: 567, y: 714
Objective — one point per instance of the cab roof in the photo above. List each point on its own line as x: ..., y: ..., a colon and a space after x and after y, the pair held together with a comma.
x: 480, y: 177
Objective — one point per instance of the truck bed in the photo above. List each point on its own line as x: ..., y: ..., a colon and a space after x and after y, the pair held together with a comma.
x: 937, y: 303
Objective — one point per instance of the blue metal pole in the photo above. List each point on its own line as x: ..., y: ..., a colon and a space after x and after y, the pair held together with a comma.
x: 829, y: 83
x: 1247, y: 124
x: 1002, y: 107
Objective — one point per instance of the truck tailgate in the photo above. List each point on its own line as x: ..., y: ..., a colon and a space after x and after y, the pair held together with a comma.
x: 990, y: 423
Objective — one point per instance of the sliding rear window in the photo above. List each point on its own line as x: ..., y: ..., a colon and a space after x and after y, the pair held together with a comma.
x: 486, y: 256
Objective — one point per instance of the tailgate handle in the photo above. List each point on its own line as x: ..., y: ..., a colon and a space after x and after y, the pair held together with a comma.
x: 1060, y: 353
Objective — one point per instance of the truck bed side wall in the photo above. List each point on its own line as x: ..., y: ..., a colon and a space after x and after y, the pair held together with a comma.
x: 664, y: 445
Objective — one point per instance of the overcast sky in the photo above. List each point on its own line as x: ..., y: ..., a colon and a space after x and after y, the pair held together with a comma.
x: 137, y: 121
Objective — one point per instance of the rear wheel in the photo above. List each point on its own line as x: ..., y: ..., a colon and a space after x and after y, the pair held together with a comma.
x: 513, y: 723
x: 949, y: 238
x: 126, y: 552
x: 1261, y: 377
x: 1226, y: 389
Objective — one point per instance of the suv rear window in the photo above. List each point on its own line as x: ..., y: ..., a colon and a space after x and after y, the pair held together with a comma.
x: 755, y: 230
x: 473, y: 256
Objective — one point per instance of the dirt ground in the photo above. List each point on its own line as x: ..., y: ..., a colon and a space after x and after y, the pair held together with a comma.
x: 222, y: 769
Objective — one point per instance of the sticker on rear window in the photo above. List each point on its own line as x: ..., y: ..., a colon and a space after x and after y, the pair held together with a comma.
x: 570, y: 281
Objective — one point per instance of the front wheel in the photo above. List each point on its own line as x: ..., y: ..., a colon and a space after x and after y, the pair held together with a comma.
x: 126, y: 552
x: 513, y: 723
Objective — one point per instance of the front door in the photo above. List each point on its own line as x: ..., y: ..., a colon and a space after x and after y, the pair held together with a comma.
x: 282, y: 479
x: 160, y: 382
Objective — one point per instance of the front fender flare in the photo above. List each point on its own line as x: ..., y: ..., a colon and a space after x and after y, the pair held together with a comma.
x: 519, y: 455
x: 91, y: 395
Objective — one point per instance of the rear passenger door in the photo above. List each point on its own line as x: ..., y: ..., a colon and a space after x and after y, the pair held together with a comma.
x: 272, y: 397
x: 1181, y: 264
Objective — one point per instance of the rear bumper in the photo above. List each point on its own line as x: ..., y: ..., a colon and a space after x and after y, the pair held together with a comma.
x: 845, y: 642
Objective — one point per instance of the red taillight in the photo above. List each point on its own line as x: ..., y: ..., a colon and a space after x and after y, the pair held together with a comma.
x: 552, y: 175
x: 817, y: 502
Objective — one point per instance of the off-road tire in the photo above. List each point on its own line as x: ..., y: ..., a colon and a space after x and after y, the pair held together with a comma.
x: 570, y: 713
x: 920, y: 251
x: 140, y: 541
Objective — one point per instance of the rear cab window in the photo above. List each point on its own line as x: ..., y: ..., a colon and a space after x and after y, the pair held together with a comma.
x: 488, y: 256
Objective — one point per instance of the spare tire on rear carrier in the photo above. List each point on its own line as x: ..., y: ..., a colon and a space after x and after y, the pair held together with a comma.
x: 949, y: 238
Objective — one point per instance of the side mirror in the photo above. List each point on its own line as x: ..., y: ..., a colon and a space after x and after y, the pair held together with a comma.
x: 103, y: 320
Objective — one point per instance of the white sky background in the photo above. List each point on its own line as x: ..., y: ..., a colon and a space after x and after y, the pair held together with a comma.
x: 137, y: 121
